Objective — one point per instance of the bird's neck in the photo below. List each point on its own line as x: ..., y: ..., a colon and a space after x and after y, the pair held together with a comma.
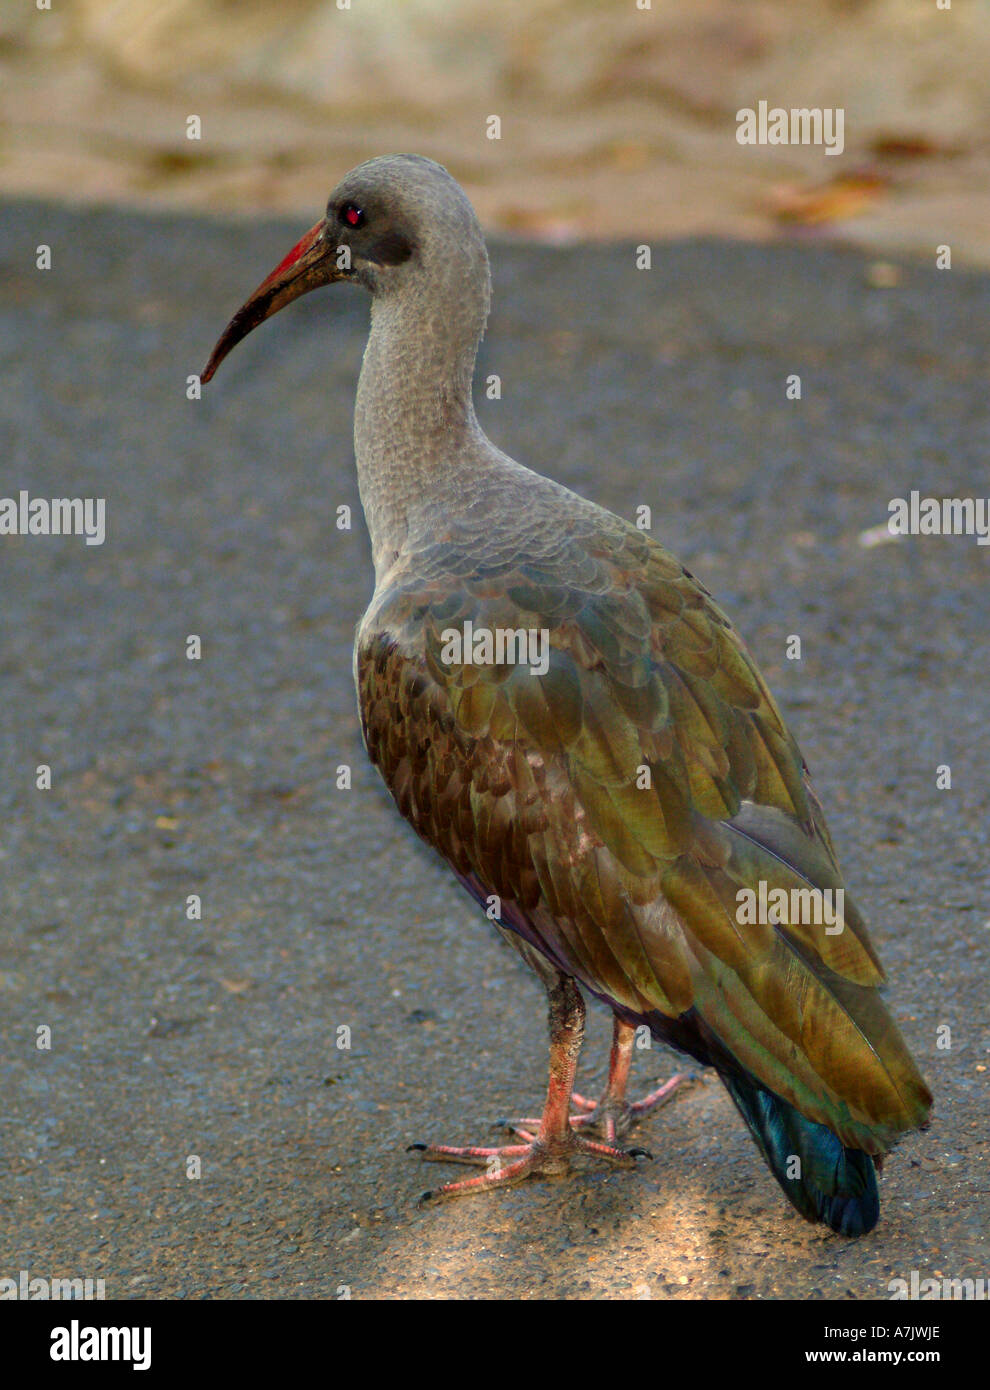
x: 418, y: 444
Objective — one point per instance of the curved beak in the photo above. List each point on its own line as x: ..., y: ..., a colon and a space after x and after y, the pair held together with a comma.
x: 312, y: 262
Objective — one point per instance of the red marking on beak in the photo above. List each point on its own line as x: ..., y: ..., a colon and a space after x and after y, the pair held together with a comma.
x: 302, y: 248
x: 310, y: 264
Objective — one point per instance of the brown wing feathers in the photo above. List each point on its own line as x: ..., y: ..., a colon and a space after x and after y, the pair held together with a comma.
x: 533, y: 788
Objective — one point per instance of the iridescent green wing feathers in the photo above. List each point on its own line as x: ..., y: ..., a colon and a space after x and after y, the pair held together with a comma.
x: 620, y: 802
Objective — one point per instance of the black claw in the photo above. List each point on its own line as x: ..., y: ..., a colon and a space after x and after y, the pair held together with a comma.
x: 421, y: 1147
x: 425, y: 1197
x: 640, y: 1153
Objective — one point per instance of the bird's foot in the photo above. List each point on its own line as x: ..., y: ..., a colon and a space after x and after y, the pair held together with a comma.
x: 610, y: 1116
x: 509, y: 1163
x: 613, y: 1117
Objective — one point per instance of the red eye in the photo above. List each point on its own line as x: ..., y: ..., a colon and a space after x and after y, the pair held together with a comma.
x: 352, y: 215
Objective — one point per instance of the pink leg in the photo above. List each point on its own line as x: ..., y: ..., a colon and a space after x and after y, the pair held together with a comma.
x: 613, y: 1113
x: 550, y: 1148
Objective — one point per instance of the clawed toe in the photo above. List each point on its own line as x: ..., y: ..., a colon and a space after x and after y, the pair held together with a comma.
x: 480, y: 1156
x: 547, y: 1145
x: 508, y: 1163
x: 613, y: 1118
x: 539, y: 1155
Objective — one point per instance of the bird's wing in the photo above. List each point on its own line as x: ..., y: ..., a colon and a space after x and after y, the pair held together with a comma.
x: 617, y: 804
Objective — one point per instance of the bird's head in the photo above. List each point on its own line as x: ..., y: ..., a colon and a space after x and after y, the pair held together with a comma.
x: 396, y: 225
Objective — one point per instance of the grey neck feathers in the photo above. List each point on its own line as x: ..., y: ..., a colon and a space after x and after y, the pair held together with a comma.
x: 419, y: 448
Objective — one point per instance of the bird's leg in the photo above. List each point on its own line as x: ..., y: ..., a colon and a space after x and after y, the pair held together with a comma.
x: 613, y: 1114
x: 550, y: 1148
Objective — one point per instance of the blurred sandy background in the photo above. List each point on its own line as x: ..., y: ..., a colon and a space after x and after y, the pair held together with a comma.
x: 616, y: 121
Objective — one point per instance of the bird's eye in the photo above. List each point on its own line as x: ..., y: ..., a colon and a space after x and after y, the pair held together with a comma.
x: 352, y: 215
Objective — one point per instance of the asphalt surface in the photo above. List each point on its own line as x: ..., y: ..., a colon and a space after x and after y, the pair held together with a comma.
x: 219, y: 1038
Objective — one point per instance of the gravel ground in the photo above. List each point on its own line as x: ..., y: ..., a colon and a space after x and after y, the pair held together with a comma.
x: 220, y: 1038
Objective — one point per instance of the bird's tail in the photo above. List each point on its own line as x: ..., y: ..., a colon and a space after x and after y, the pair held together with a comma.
x: 823, y: 1179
